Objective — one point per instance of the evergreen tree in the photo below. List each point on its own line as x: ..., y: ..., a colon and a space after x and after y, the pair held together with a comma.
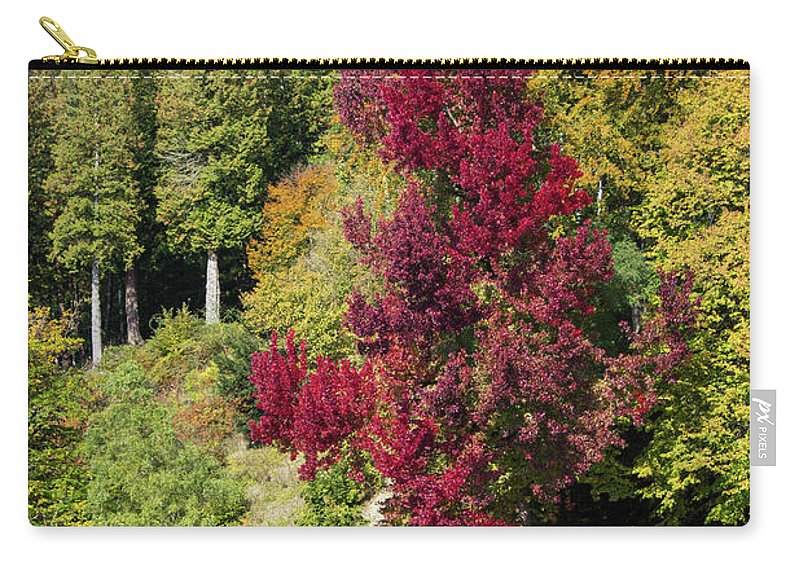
x: 220, y: 148
x: 40, y: 164
x: 95, y: 195
x: 143, y: 94
x: 49, y: 285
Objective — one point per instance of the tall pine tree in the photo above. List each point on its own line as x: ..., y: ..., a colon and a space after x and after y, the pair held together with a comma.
x: 143, y: 96
x: 49, y: 284
x: 96, y: 197
x: 219, y: 148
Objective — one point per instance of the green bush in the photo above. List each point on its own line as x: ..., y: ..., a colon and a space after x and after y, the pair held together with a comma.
x: 229, y: 347
x: 183, y: 345
x: 333, y: 498
x: 142, y: 474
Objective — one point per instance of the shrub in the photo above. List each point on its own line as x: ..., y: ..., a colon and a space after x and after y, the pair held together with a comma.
x: 336, y: 498
x: 142, y: 473
x: 57, y: 412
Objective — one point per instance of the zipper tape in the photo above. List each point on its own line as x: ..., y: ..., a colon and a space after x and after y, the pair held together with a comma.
x: 390, y: 63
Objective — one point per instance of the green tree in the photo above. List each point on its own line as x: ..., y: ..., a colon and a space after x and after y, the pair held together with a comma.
x: 49, y: 284
x: 143, y: 94
x: 220, y: 147
x: 44, y: 286
x: 96, y: 197
x: 695, y: 215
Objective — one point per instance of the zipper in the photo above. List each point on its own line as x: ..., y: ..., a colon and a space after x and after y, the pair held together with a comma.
x: 72, y: 52
x: 75, y: 56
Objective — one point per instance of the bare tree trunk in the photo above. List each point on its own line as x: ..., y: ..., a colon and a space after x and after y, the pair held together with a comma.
x: 599, y: 195
x: 132, y: 307
x: 636, y: 318
x: 97, y: 346
x: 212, y: 288
x: 97, y: 320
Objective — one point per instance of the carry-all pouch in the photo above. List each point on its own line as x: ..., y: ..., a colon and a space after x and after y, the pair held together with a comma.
x: 353, y: 292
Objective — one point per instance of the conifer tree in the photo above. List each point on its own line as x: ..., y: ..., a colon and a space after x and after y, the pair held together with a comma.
x: 49, y: 284
x: 95, y: 196
x: 143, y: 96
x: 219, y: 148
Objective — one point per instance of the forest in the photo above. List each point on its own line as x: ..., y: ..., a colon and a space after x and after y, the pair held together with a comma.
x: 388, y: 297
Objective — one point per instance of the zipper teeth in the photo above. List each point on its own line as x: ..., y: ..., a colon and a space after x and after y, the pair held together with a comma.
x: 392, y: 63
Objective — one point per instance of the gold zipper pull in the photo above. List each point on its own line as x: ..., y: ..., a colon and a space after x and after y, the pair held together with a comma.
x: 72, y: 52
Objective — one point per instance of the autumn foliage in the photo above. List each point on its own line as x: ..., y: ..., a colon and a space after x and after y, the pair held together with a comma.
x: 295, y: 208
x: 476, y: 297
x: 309, y: 412
x: 482, y: 394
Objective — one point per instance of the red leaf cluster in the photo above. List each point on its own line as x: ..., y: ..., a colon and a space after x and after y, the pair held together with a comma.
x: 313, y: 413
x: 277, y: 379
x: 427, y: 284
x: 481, y: 386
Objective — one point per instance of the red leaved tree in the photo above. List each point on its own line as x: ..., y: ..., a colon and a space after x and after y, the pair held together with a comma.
x: 482, y: 395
